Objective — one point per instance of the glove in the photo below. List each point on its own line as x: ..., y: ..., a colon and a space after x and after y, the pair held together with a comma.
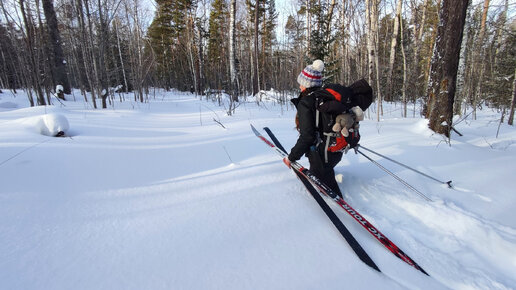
x: 353, y: 138
x: 287, y: 162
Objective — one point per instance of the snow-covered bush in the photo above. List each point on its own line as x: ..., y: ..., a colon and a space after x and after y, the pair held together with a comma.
x: 54, y: 125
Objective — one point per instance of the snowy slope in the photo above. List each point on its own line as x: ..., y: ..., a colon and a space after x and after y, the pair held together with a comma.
x: 160, y: 196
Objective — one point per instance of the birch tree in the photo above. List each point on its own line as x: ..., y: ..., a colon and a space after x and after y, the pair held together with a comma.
x: 232, y: 65
x: 255, y: 70
x: 372, y: 31
x: 308, y: 28
x: 392, y: 54
x: 404, y: 86
x: 513, y: 101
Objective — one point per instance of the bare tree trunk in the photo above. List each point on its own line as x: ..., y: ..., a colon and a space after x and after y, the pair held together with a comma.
x: 91, y: 52
x: 87, y: 58
x: 44, y: 57
x: 126, y: 86
x: 308, y: 27
x: 415, y: 79
x: 483, y: 22
x: 201, y: 63
x: 328, y: 22
x: 344, y: 72
x: 445, y: 61
x: 256, y: 81
x: 232, y: 65
x: 372, y: 30
x: 34, y: 65
x: 262, y: 68
x: 404, y: 87
x: 479, y: 64
x: 394, y: 40
x: 75, y: 71
x: 59, y: 69
x: 513, y: 102
x: 140, y: 71
x: 431, y: 48
x: 498, y: 35
x: 190, y: 51
x: 102, y: 68
x: 370, y: 42
x: 23, y: 72
x: 3, y: 82
x: 374, y: 25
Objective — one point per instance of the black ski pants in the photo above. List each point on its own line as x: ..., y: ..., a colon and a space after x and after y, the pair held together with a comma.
x: 325, y: 171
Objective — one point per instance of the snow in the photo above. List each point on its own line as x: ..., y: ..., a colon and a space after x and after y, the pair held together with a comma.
x: 160, y: 196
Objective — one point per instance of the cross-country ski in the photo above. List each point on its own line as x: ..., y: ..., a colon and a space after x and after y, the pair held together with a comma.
x: 329, y: 192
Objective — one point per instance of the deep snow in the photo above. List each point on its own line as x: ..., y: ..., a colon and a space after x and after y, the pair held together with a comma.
x: 160, y: 196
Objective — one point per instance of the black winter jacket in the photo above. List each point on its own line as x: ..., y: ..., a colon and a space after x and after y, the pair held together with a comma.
x: 305, y: 105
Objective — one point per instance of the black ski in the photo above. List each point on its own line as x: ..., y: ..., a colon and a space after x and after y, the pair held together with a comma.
x: 353, y: 243
x: 323, y: 188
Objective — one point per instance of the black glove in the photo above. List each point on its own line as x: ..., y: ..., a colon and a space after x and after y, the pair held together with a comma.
x: 353, y: 138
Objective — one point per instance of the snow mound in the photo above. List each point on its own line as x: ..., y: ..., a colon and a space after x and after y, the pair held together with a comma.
x: 54, y: 125
x: 421, y: 127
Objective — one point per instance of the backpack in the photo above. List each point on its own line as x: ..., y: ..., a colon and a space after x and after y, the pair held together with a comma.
x: 332, y: 102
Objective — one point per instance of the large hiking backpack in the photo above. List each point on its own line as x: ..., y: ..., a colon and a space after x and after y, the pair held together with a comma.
x: 333, y: 100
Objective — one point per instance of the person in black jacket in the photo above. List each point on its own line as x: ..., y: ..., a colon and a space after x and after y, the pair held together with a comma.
x: 310, y: 82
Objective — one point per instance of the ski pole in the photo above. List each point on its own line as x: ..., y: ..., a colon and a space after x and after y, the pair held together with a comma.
x: 394, y: 175
x: 401, y: 164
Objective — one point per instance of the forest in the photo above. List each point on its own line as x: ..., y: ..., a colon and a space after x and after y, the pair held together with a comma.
x: 442, y: 56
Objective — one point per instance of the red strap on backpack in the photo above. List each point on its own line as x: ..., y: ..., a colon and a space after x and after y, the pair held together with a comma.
x: 340, y: 144
x: 336, y: 94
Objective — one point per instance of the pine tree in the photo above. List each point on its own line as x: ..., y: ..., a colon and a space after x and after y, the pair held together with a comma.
x: 160, y: 34
x: 322, y: 38
x: 255, y: 10
x: 268, y: 41
x: 217, y: 44
x: 165, y: 38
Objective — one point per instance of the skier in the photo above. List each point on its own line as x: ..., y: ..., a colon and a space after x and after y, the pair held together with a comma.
x: 309, y: 143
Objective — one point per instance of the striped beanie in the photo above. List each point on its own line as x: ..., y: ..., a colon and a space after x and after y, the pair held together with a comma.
x: 311, y: 76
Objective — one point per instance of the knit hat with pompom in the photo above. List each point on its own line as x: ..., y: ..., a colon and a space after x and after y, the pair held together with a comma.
x: 311, y: 76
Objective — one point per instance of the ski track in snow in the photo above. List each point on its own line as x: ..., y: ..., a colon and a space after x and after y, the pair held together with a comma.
x: 442, y: 231
x: 159, y: 195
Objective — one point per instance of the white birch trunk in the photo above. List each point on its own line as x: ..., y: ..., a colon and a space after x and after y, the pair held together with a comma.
x: 394, y: 41
x: 308, y: 27
x: 404, y: 87
x: 120, y: 55
x: 513, y: 102
x: 370, y: 42
x: 374, y: 29
x: 232, y: 65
